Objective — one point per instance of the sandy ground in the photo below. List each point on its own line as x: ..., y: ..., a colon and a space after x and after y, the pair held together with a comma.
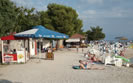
x: 129, y: 53
x: 60, y: 70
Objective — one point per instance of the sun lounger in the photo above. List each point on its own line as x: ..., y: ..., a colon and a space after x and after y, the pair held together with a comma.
x: 113, y: 60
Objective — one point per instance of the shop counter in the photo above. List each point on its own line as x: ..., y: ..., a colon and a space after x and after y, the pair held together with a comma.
x: 10, y: 57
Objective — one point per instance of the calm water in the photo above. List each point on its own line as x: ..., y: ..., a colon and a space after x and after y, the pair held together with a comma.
x: 131, y: 60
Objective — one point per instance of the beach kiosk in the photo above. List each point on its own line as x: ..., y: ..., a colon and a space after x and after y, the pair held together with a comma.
x: 21, y: 46
x: 76, y: 40
x: 40, y: 33
x: 14, y: 49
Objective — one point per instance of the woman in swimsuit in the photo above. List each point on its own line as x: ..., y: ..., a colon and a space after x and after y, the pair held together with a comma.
x: 89, y: 65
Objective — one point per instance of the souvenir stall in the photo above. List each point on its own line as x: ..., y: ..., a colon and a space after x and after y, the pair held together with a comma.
x: 40, y: 33
x: 14, y: 49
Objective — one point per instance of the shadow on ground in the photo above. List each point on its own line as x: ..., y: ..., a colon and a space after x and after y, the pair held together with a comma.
x: 7, y: 81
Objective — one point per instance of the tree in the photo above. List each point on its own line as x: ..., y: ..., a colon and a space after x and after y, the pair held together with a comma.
x: 26, y: 19
x: 95, y: 33
x: 61, y: 18
x: 7, y: 17
x: 82, y: 32
x: 16, y: 19
x: 58, y: 17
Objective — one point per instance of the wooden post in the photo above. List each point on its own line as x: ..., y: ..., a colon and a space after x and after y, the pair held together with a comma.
x: 2, y: 45
x: 25, y: 51
x: 57, y: 45
x: 35, y: 47
x: 28, y: 48
x: 40, y: 40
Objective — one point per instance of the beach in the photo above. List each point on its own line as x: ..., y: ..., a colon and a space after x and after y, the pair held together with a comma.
x: 129, y: 53
x: 60, y: 70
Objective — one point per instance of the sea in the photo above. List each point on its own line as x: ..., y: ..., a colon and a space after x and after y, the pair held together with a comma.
x: 131, y: 60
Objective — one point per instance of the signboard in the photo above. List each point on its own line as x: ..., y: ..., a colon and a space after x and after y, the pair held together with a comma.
x: 10, y: 57
x: 21, y: 56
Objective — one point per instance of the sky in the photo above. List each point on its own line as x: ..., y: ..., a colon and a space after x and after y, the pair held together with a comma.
x: 114, y: 16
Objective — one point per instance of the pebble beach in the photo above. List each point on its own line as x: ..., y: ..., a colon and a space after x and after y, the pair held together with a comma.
x: 60, y: 70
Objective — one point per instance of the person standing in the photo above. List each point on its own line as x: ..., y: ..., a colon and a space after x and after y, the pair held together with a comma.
x: 77, y: 47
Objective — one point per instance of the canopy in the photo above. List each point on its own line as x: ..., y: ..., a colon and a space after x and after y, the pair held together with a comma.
x: 121, y: 38
x: 10, y: 37
x: 41, y: 32
x: 73, y: 40
x: 77, y: 36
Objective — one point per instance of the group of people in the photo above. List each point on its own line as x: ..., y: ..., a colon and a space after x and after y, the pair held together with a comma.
x: 116, y: 48
x: 112, y: 47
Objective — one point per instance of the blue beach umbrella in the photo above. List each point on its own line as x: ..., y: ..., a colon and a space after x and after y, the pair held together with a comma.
x: 41, y: 32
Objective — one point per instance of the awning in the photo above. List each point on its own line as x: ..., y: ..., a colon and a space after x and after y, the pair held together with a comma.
x: 41, y: 32
x: 73, y: 40
x: 11, y: 37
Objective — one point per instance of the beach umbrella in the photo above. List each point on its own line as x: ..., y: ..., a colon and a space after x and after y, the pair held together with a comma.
x: 121, y: 38
x: 117, y: 37
x: 41, y: 32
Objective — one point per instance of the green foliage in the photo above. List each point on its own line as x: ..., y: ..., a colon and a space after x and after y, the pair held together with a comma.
x: 95, y: 33
x: 82, y: 32
x: 25, y: 19
x: 15, y: 19
x: 7, y: 16
x: 61, y: 18
x: 58, y: 17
